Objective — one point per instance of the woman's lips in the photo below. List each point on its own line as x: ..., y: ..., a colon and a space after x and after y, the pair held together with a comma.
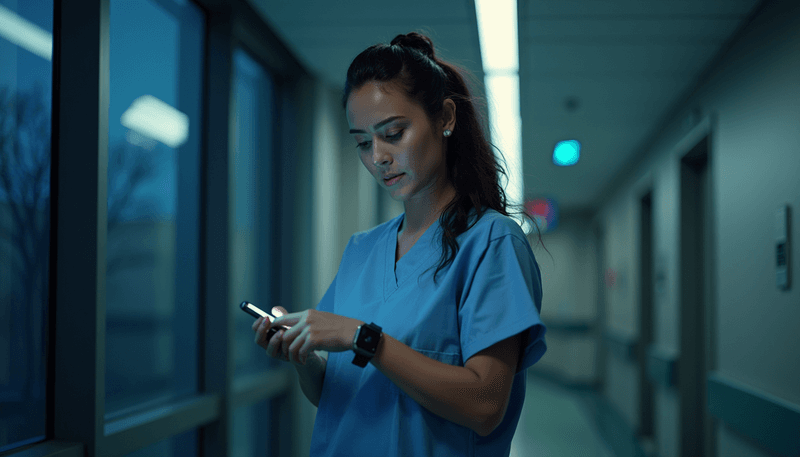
x: 393, y: 181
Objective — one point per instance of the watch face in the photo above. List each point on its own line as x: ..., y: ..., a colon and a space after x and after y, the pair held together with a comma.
x: 368, y: 339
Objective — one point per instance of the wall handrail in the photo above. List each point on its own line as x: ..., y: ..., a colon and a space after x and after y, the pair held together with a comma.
x: 772, y: 422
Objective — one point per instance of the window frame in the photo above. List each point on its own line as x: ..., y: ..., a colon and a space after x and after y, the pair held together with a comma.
x: 75, y: 415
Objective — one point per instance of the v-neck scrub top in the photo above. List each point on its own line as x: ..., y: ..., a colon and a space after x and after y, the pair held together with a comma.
x: 490, y: 292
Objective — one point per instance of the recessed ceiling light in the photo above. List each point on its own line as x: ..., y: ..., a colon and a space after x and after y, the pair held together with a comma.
x: 571, y: 104
x: 158, y: 120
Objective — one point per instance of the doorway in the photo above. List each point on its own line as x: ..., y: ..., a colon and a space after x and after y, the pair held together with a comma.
x: 646, y: 279
x: 697, y: 328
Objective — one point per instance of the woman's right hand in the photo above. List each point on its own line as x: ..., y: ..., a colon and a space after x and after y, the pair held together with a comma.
x: 274, y: 345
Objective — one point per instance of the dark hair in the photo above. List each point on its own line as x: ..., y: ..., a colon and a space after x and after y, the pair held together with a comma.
x: 472, y: 167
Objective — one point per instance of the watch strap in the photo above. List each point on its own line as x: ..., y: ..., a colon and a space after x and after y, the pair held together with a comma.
x: 363, y: 355
x: 361, y: 360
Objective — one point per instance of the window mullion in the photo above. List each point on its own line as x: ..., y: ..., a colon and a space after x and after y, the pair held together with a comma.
x: 216, y: 355
x: 80, y: 161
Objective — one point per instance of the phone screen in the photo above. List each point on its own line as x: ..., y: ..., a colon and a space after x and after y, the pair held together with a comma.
x: 257, y: 312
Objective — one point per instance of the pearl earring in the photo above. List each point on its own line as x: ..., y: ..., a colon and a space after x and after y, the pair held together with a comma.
x: 447, y: 133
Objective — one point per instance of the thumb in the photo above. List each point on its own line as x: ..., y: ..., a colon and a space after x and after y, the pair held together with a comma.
x: 279, y: 311
x: 287, y: 319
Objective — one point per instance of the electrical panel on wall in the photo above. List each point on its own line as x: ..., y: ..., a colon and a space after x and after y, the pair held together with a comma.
x: 783, y: 247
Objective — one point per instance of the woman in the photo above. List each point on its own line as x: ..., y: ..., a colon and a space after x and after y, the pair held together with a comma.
x: 440, y: 369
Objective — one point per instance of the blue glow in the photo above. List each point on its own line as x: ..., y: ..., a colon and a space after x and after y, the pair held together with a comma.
x: 567, y: 153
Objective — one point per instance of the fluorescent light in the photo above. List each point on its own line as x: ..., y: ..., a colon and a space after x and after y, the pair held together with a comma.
x: 156, y: 119
x: 25, y: 34
x: 506, y: 129
x: 497, y: 29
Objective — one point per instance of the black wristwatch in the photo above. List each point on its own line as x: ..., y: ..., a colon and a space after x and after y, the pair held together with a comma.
x: 365, y: 343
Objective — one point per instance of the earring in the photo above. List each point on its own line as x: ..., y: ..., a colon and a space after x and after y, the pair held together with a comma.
x: 447, y: 133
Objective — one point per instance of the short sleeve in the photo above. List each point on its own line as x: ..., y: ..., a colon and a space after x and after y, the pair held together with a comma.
x: 503, y: 298
x: 326, y: 304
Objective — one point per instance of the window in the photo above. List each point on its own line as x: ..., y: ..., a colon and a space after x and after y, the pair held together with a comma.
x: 252, y: 430
x: 183, y: 445
x: 152, y: 265
x: 250, y: 218
x: 136, y: 307
x: 26, y: 43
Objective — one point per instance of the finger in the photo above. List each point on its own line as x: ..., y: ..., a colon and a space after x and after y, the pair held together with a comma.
x: 288, y: 319
x: 256, y: 323
x: 274, y: 345
x: 294, y: 348
x: 293, y: 332
x: 306, y: 350
x: 279, y: 311
x: 263, y: 328
x: 286, y: 342
x: 299, y: 348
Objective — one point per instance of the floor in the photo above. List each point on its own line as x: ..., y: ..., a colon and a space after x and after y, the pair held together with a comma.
x: 558, y: 422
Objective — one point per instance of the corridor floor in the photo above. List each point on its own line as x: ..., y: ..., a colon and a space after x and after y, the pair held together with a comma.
x: 556, y: 422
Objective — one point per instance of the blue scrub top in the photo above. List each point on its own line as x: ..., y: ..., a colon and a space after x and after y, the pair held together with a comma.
x: 491, y: 291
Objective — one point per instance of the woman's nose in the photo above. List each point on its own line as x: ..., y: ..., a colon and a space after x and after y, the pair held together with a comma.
x: 380, y: 156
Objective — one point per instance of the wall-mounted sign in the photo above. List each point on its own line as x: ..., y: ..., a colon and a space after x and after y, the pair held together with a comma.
x: 545, y: 212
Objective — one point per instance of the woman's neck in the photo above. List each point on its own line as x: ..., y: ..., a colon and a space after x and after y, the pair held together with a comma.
x: 421, y: 213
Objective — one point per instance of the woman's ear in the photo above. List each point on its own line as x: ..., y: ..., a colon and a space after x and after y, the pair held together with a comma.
x: 448, y: 115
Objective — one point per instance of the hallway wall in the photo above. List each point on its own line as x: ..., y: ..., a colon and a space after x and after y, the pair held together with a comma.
x: 569, y: 301
x: 748, y: 104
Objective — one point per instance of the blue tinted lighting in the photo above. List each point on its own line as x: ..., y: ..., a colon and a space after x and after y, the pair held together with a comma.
x: 567, y: 153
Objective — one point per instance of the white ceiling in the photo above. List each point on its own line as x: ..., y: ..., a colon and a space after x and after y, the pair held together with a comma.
x: 625, y: 62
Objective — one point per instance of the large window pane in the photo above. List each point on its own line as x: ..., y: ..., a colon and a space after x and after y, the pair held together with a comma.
x: 183, y: 445
x: 152, y: 270
x: 250, y: 221
x: 252, y: 430
x: 26, y: 43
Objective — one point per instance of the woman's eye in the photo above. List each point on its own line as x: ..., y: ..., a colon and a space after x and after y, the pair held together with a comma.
x: 395, y: 136
x: 363, y: 146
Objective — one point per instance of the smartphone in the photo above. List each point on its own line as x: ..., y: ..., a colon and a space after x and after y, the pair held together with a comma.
x: 256, y: 312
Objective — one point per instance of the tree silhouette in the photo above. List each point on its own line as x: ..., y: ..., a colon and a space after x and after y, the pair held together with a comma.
x: 25, y: 199
x: 25, y: 161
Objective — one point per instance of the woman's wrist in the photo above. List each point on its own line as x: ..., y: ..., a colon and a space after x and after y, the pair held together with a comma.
x: 312, y: 363
x: 312, y: 375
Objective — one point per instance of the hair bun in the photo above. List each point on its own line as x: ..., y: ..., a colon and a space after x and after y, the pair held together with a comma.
x: 416, y: 41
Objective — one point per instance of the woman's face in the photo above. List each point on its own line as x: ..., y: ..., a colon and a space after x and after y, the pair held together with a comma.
x: 397, y: 142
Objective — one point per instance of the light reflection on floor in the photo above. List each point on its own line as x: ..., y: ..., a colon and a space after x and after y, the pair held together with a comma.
x: 555, y: 423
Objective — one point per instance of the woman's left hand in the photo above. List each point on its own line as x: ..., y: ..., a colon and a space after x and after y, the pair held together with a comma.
x: 315, y: 330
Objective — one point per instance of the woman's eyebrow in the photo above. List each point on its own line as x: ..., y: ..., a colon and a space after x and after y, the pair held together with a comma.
x: 379, y: 124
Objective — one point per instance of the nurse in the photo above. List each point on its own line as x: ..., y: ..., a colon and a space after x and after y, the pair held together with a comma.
x: 433, y: 317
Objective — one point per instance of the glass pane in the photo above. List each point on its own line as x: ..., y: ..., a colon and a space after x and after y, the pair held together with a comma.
x: 183, y: 445
x: 26, y: 47
x: 250, y: 208
x: 152, y: 269
x: 252, y: 430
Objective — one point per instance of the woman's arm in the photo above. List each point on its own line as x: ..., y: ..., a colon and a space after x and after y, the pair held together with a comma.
x: 311, y: 372
x: 475, y: 395
x: 312, y: 375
